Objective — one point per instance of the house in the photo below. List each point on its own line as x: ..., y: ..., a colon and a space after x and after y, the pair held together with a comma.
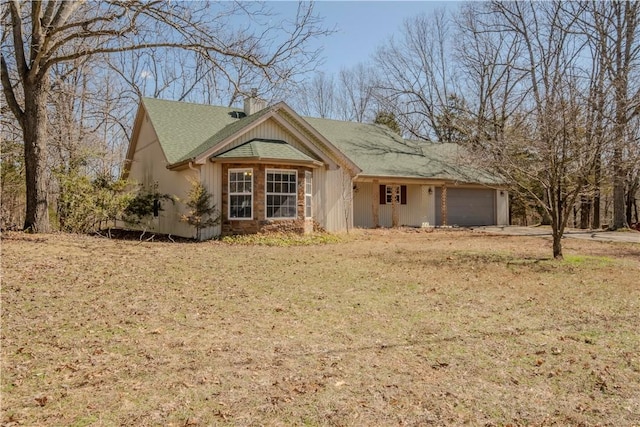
x: 268, y: 169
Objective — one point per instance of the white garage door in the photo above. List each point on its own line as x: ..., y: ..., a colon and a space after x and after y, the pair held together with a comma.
x: 467, y: 206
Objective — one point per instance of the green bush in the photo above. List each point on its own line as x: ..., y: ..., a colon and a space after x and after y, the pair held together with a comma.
x: 87, y: 205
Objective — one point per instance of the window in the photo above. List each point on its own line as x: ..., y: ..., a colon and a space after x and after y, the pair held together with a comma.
x: 386, y: 192
x: 308, y: 195
x: 389, y: 194
x: 281, y: 193
x: 240, y: 193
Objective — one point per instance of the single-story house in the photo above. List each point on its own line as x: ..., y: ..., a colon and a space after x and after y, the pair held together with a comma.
x: 268, y: 168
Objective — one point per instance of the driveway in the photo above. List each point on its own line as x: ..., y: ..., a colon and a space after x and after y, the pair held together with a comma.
x: 599, y: 235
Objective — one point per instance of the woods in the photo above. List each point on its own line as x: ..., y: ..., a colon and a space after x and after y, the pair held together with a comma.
x: 546, y: 94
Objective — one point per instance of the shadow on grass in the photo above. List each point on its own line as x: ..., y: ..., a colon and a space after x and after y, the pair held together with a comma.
x: 141, y: 236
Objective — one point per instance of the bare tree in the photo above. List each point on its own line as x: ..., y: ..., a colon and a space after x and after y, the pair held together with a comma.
x: 356, y: 93
x: 318, y: 97
x: 417, y: 76
x: 39, y: 35
x: 615, y: 28
x: 492, y: 85
x: 544, y: 153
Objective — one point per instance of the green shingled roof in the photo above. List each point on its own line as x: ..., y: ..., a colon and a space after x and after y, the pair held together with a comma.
x: 378, y: 151
x: 182, y: 127
x: 186, y: 130
x: 266, y: 149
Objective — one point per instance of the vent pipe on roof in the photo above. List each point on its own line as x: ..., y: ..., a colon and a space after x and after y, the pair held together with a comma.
x: 253, y: 104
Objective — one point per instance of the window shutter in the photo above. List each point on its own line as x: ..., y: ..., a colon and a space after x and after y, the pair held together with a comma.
x: 383, y: 194
x: 403, y: 194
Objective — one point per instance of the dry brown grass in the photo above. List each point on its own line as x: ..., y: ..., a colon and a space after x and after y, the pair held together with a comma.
x: 384, y: 328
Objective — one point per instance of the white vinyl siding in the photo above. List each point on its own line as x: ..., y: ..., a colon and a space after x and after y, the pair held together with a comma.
x: 240, y: 194
x: 281, y: 194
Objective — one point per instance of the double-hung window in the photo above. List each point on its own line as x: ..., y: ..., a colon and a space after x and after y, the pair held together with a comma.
x: 386, y: 194
x: 281, y: 194
x: 308, y: 195
x: 389, y: 193
x: 240, y: 193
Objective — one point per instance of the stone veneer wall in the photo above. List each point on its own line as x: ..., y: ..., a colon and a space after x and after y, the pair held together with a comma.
x: 259, y: 223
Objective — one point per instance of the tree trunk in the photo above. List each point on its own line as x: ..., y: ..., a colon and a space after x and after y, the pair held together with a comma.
x: 557, y: 245
x: 631, y: 201
x: 395, y: 195
x: 619, y: 220
x: 595, y: 224
x: 35, y: 156
x: 585, y: 212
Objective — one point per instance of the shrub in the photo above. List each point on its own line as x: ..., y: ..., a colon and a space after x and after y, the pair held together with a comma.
x: 202, y: 213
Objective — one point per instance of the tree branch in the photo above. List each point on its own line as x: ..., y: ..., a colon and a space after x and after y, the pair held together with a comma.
x: 9, y: 93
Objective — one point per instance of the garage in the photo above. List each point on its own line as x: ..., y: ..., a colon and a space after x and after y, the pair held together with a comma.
x: 467, y: 206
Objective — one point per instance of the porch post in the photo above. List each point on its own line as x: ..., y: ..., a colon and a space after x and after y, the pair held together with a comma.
x: 375, y: 203
x: 395, y: 214
x: 443, y: 204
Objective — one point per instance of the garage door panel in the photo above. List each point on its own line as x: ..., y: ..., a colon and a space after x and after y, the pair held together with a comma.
x: 467, y: 206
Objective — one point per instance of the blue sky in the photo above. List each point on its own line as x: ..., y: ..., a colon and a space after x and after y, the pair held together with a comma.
x: 361, y: 26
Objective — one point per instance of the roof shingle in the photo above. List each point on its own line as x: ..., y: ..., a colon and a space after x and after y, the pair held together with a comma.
x: 186, y: 130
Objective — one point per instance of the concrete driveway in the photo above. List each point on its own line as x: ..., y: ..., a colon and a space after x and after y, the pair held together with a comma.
x: 599, y: 235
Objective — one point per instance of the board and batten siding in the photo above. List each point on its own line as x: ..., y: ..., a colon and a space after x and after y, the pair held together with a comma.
x: 502, y: 207
x: 332, y: 194
x: 270, y: 129
x: 211, y: 178
x: 419, y: 210
x: 149, y: 168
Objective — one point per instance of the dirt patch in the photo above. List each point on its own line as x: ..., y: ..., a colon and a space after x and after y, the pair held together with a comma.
x: 381, y: 328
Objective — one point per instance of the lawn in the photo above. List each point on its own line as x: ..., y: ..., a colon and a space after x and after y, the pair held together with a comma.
x: 380, y: 327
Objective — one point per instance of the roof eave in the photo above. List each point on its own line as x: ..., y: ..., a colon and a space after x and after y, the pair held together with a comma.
x: 131, y: 149
x: 183, y: 164
x: 264, y: 160
x: 429, y: 181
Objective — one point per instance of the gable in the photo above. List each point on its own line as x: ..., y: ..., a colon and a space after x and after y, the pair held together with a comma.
x: 266, y: 150
x: 267, y: 129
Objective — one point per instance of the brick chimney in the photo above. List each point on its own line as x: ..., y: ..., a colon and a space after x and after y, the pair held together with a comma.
x: 253, y: 104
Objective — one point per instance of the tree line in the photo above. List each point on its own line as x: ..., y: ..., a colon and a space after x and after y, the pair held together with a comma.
x: 545, y: 93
